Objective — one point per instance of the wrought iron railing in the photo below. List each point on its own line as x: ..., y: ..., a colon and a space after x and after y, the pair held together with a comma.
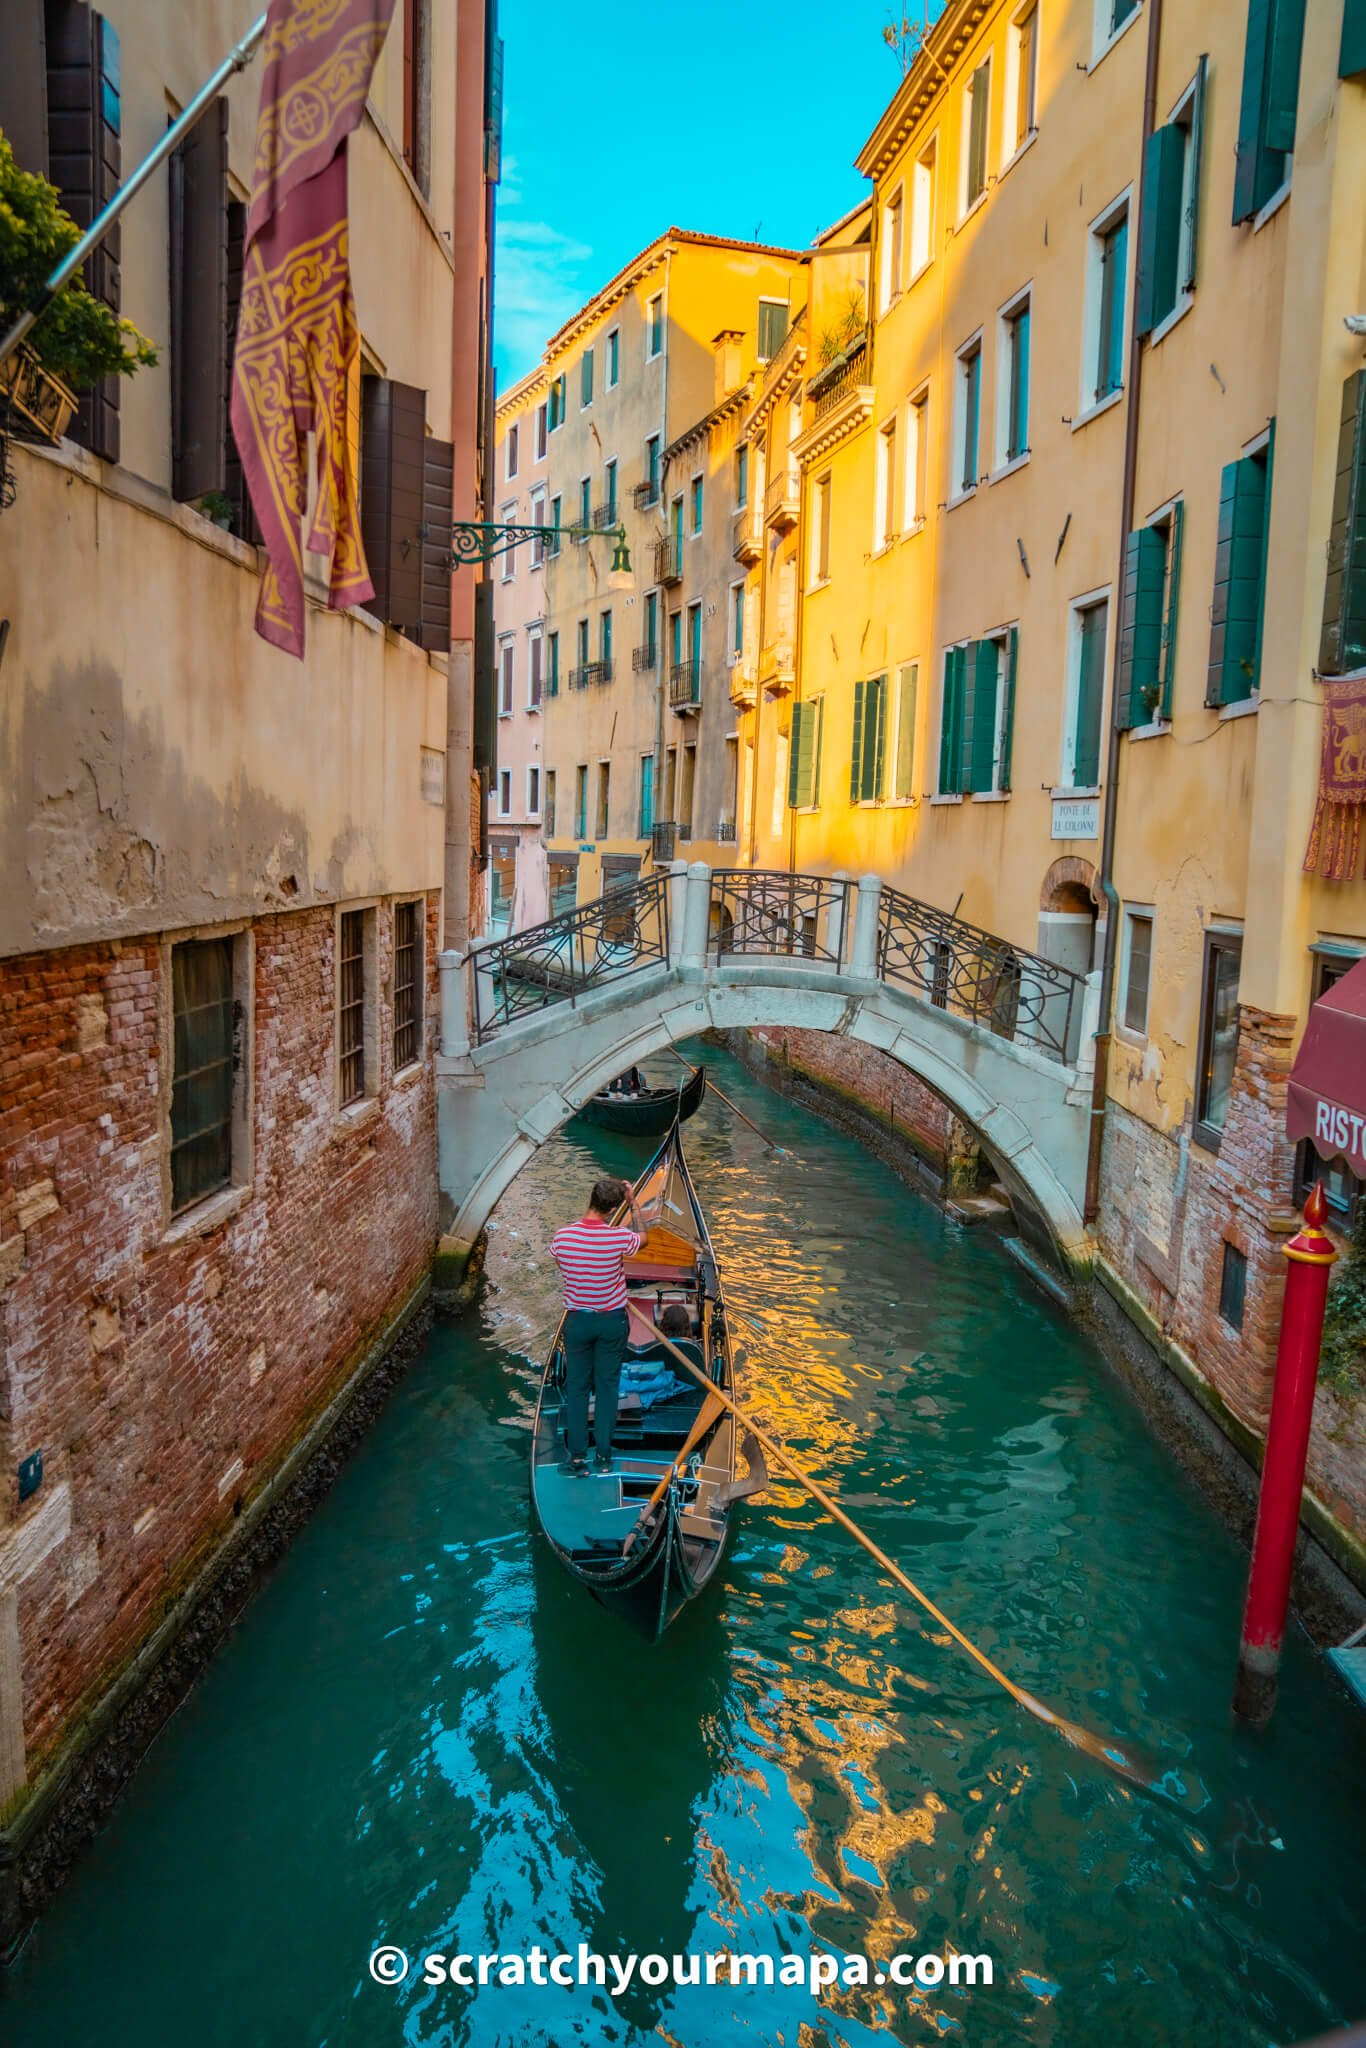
x: 643, y: 496
x: 767, y: 912
x: 604, y: 517
x: 842, y: 376
x: 668, y: 559
x: 590, y: 672
x: 622, y: 933
x: 780, y: 499
x: 725, y: 831
x: 959, y: 967
x: 685, y: 684
x: 578, y: 677
x: 645, y: 657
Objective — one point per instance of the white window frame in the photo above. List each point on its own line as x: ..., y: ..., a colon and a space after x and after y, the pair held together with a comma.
x: 507, y: 668
x: 885, y: 528
x: 1005, y: 465
x: 613, y: 342
x: 1182, y: 117
x: 697, y: 498
x: 915, y: 472
x: 533, y: 806
x: 535, y: 638
x: 1087, y: 601
x: 999, y: 637
x: 891, y: 249
x: 974, y: 345
x: 1097, y: 229
x: 505, y: 792
x: 654, y: 327
x: 541, y: 437
x: 1148, y: 914
x: 1021, y: 15
x: 924, y: 180
x: 767, y: 299
x: 818, y: 564
x: 988, y: 63
x: 1103, y: 38
x: 512, y: 448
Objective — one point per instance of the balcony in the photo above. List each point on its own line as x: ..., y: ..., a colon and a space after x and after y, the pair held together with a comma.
x: 742, y: 684
x: 605, y: 517
x: 746, y: 537
x: 590, y: 672
x: 685, y: 687
x: 781, y: 498
x: 663, y: 842
x: 646, y: 495
x: 669, y: 560
x: 644, y: 658
x: 777, y: 669
x: 725, y: 831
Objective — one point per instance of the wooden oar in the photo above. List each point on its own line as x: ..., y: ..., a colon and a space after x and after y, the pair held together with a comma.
x: 706, y: 1415
x: 1118, y: 1759
x: 733, y: 1107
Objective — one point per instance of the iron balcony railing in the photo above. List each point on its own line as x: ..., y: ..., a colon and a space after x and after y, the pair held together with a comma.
x: 685, y: 684
x: 959, y: 967
x: 605, y: 516
x: 668, y: 559
x: 643, y: 496
x: 590, y: 672
x: 725, y: 831
x: 839, y: 378
x: 768, y: 912
x: 645, y: 657
x: 622, y: 933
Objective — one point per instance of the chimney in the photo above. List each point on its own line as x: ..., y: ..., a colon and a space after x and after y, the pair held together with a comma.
x: 727, y: 351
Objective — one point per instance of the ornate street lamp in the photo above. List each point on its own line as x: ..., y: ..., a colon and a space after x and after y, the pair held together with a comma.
x: 482, y: 540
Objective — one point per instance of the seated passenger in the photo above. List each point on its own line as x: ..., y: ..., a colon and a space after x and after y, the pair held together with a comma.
x: 676, y: 1324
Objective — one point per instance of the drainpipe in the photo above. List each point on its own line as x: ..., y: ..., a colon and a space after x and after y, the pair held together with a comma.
x: 1100, y: 1078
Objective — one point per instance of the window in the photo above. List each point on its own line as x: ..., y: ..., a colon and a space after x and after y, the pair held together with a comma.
x: 504, y: 792
x: 556, y: 402
x: 581, y: 635
x: 509, y: 560
x: 967, y: 425
x: 586, y: 379
x: 917, y: 458
x: 552, y: 544
x: 772, y: 327
x: 742, y: 476
x: 610, y: 475
x: 407, y: 984
x: 1233, y: 1286
x: 614, y: 358
x: 646, y: 822
x: 585, y: 517
x: 1352, y: 56
x: 512, y: 439
x: 1110, y: 18
x: 552, y: 666
x: 1235, y: 643
x: 652, y: 469
x: 535, y: 674
x: 1341, y: 1186
x: 891, y: 249
x: 695, y: 502
x: 541, y: 431
x: 550, y: 784
x: 355, y: 990
x: 1136, y: 968
x: 903, y: 749
x: 580, y: 801
x: 866, y: 757
x: 737, y: 620
x: 820, y: 530
x: 533, y: 792
x: 1023, y: 84
x: 1218, y: 1036
x: 1105, y: 306
x: 695, y: 650
x: 922, y: 207
x: 1171, y: 196
x: 1013, y: 403
x: 654, y: 326
x: 604, y: 797
x: 804, y: 757
x: 1266, y: 117
x: 205, y: 1057
x: 538, y: 519
x: 651, y: 640
x: 977, y: 714
x: 1342, y: 646
x: 675, y: 639
x: 506, y: 659
x: 686, y: 787
x: 885, y: 516
x: 1147, y: 625
x: 605, y: 643
x: 782, y: 780
x: 1085, y: 693
x: 976, y: 109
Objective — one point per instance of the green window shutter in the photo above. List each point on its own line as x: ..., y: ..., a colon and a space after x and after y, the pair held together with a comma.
x: 803, y: 775
x: 1238, y: 569
x: 794, y: 756
x: 1283, y: 74
x: 817, y: 737
x: 1159, y: 236
x: 1173, y: 597
x: 1197, y: 151
x: 1352, y: 63
x: 1090, y: 695
x: 951, y: 720
x: 880, y: 739
x: 1008, y: 721
x: 907, y: 685
x: 1247, y: 164
x: 586, y: 378
x: 856, y: 752
x: 1343, y: 645
x: 1019, y: 384
x: 979, y: 717
x: 977, y: 132
x: 1110, y: 355
x: 867, y: 772
x: 1140, y: 627
x: 1266, y: 118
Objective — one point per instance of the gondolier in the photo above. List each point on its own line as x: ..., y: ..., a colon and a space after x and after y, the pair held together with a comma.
x: 590, y: 1255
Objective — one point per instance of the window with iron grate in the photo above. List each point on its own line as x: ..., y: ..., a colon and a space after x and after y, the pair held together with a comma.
x: 407, y: 982
x: 202, y: 1078
x: 351, y: 1008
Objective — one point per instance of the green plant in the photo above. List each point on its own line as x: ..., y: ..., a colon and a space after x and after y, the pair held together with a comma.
x: 1344, y: 1326
x: 844, y: 332
x: 216, y: 505
x: 79, y: 338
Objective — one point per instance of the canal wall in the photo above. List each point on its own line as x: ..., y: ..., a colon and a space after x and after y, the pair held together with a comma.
x: 1196, y: 1378
x: 170, y: 1371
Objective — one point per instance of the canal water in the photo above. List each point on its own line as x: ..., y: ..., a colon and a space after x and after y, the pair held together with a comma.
x: 422, y: 1734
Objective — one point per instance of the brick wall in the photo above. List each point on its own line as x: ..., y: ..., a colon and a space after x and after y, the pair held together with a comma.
x: 164, y: 1373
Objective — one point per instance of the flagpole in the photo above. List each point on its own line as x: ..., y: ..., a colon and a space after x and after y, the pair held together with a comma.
x: 237, y: 59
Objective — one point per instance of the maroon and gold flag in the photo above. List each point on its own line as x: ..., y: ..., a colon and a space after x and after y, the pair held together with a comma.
x: 1335, y: 840
x: 298, y: 347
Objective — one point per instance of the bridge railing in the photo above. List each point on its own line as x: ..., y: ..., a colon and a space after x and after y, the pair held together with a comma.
x: 773, y: 913
x: 959, y: 967
x: 620, y: 934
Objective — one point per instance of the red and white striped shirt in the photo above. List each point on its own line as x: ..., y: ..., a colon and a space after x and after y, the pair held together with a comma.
x: 589, y: 1254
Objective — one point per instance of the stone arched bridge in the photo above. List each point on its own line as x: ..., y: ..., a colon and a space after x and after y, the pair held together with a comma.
x: 534, y: 1024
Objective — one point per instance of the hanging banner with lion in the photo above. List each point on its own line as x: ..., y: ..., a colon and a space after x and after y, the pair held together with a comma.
x: 1335, y: 841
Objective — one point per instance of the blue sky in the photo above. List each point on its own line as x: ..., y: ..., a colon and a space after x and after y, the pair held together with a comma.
x: 621, y: 119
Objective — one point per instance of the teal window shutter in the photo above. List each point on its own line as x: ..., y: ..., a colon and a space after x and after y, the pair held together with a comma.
x: 1266, y: 116
x: 1343, y: 644
x: 1017, y: 441
x: 1140, y: 627
x: 586, y: 378
x: 804, y: 766
x: 1114, y: 260
x: 1239, y: 561
x: 1178, y: 521
x: 856, y: 751
x: 794, y: 759
x: 1159, y: 235
x: 1352, y: 63
x: 1090, y: 696
x: 1008, y: 717
x: 817, y: 737
x: 1283, y: 74
x: 979, y: 721
x: 972, y: 415
x: 951, y: 721
x: 880, y: 737
x: 1197, y: 152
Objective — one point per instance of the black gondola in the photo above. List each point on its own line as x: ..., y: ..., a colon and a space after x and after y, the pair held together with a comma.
x: 646, y: 1537
x: 648, y: 1112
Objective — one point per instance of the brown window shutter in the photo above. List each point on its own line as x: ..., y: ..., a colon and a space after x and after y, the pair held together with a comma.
x: 438, y: 481
x: 199, y: 305
x: 392, y: 467
x: 23, y: 83
x: 85, y: 162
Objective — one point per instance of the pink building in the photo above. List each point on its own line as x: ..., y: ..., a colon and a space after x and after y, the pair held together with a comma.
x: 519, y: 493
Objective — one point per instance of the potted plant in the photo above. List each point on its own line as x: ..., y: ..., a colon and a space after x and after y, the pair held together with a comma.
x: 218, y: 507
x: 1151, y: 693
x: 78, y: 340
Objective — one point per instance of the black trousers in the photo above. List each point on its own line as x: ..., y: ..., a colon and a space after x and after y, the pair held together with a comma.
x: 594, y: 1347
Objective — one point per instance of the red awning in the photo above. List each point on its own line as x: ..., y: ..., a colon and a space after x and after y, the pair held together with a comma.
x: 1328, y: 1080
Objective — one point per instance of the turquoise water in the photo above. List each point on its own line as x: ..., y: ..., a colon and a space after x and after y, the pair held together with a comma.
x: 422, y: 1733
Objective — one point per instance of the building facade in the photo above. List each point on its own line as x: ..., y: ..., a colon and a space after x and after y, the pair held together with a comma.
x: 226, y: 870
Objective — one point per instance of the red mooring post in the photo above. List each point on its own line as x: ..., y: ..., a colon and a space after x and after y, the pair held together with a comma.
x: 1311, y: 1253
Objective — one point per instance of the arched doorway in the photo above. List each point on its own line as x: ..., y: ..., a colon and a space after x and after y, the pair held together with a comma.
x: 1071, y: 922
